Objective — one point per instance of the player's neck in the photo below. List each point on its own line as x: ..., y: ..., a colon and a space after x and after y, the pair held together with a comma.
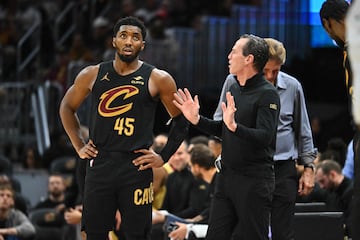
x: 124, y: 68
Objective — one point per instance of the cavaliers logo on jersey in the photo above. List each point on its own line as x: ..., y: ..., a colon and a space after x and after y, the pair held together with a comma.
x: 108, y: 97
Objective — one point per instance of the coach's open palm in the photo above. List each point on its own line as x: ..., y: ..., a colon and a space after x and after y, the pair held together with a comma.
x: 188, y: 106
x: 229, y: 112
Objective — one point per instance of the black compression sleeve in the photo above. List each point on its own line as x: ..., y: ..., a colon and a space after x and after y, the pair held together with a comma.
x: 209, y: 126
x: 178, y: 132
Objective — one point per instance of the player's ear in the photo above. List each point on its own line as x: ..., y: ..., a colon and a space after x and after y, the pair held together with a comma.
x: 143, y: 46
x: 113, y: 43
x: 326, y: 24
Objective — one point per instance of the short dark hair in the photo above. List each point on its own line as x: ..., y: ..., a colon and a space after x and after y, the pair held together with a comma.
x: 335, y: 9
x: 199, y: 139
x: 258, y: 47
x: 202, y: 156
x: 132, y: 21
x: 328, y: 165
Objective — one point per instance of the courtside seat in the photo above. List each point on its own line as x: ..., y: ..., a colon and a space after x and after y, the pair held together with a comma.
x: 319, y: 226
x: 310, y: 207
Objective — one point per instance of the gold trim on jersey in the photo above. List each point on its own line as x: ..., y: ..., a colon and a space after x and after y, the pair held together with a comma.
x: 144, y: 196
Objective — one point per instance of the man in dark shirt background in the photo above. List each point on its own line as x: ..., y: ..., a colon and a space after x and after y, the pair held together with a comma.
x: 330, y: 178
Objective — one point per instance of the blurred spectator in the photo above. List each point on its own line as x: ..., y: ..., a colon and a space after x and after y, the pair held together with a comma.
x: 185, y: 196
x: 53, y: 8
x: 329, y: 177
x: 13, y: 223
x: 336, y: 150
x: 56, y: 200
x: 60, y: 146
x: 20, y: 202
x: 9, y: 35
x: 202, y: 167
x: 199, y: 139
x: 147, y: 10
x: 27, y: 14
x: 98, y: 41
x: 58, y: 72
x: 109, y: 52
x: 180, y: 13
x: 5, y: 165
x: 318, y: 194
x: 128, y: 8
x: 79, y: 51
x: 161, y: 48
x: 56, y: 191
x: 160, y: 174
x: 163, y: 11
x: 31, y: 159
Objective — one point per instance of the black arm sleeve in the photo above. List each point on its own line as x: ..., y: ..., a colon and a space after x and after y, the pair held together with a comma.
x: 209, y: 126
x: 178, y: 132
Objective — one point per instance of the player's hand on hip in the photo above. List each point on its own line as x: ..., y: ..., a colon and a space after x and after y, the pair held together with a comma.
x: 149, y: 159
x: 88, y: 151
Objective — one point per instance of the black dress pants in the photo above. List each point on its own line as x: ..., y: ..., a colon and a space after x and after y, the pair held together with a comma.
x: 283, y: 203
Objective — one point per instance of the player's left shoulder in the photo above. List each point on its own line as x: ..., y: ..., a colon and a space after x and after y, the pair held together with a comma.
x: 159, y: 73
x: 160, y: 76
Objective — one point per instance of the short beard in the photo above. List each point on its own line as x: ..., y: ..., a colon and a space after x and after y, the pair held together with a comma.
x: 128, y: 59
x: 56, y: 194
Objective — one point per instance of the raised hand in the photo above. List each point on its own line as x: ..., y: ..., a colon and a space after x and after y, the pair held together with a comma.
x: 188, y: 106
x: 229, y: 112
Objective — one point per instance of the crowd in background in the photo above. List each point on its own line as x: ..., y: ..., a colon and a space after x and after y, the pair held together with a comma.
x: 90, y: 42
